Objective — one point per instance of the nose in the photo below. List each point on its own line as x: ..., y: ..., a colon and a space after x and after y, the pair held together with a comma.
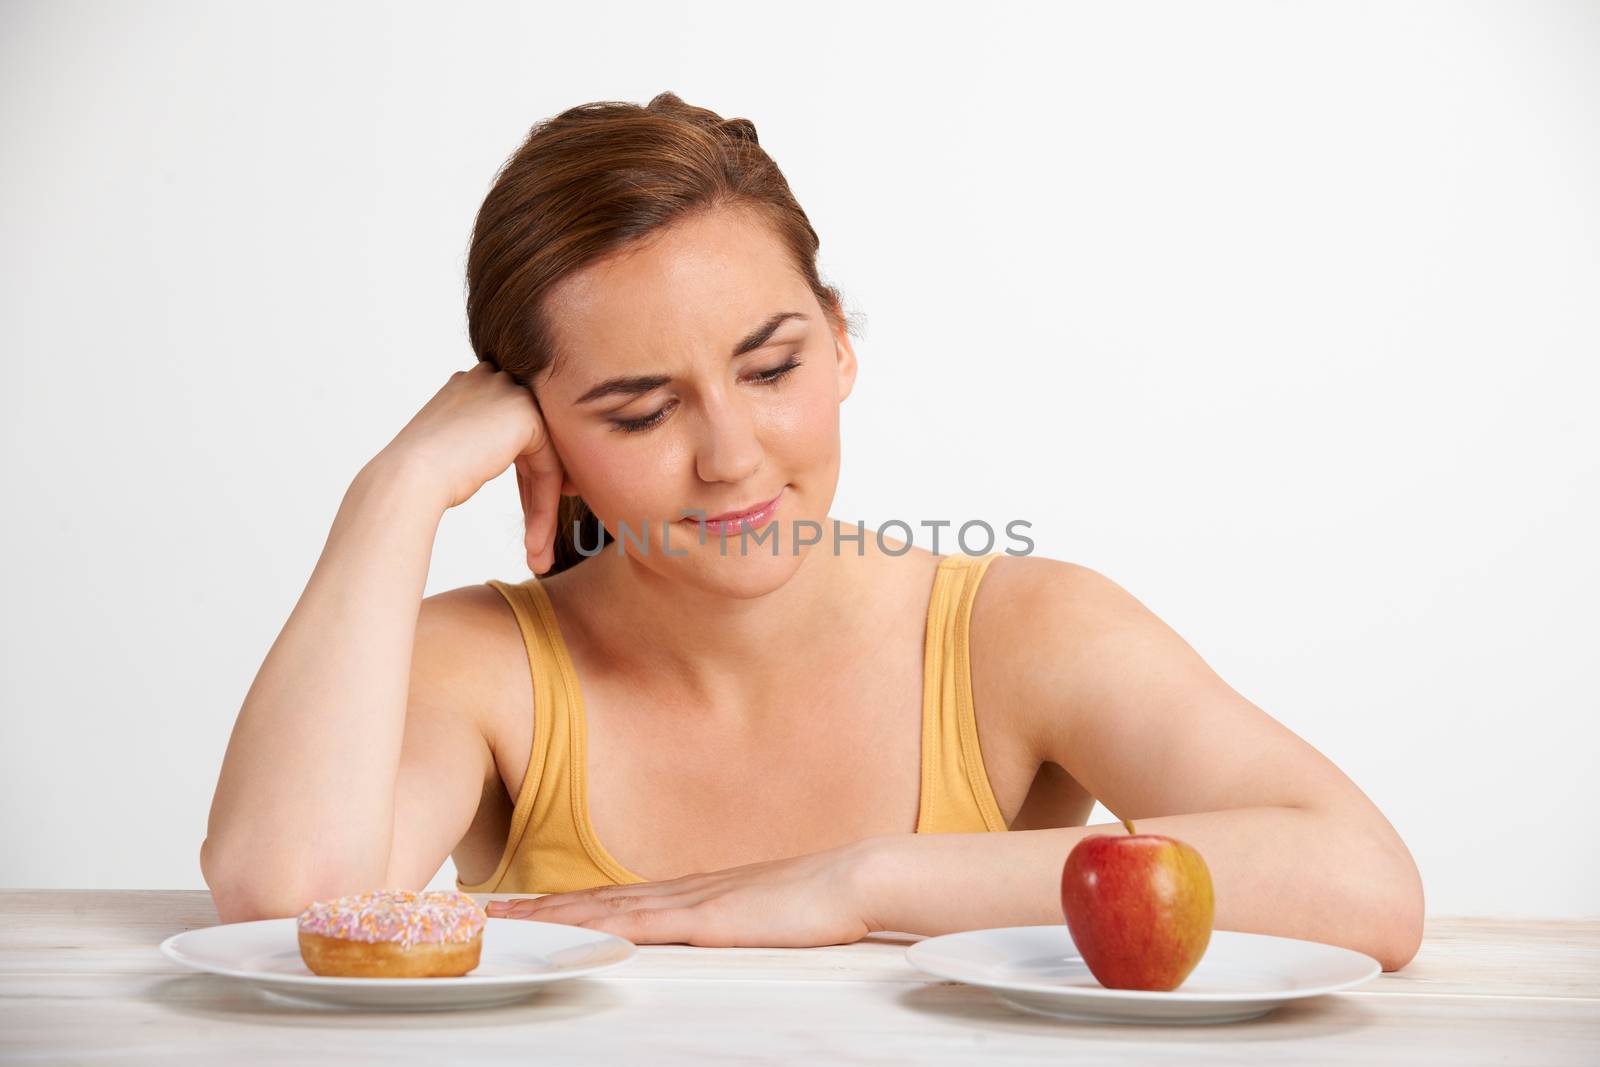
x: 730, y: 448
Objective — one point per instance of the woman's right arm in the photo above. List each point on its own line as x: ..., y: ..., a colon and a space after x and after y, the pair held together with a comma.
x: 343, y: 727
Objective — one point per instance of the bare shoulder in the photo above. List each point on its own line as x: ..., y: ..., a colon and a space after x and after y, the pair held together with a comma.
x: 469, y: 657
x: 1032, y: 602
x: 1036, y: 623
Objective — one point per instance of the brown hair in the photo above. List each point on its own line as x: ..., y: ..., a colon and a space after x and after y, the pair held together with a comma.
x: 588, y: 182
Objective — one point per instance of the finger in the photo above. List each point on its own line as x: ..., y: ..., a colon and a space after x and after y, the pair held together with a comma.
x: 525, y: 493
x: 524, y: 483
x: 525, y: 907
x: 516, y: 910
x: 545, y: 495
x: 697, y: 885
x: 540, y: 477
x: 575, y: 909
x: 660, y: 926
x: 522, y: 907
x: 507, y: 909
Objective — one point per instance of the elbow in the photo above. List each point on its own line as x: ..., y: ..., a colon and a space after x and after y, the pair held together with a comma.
x: 1402, y: 932
x: 1393, y: 908
x: 1394, y: 949
x: 1369, y: 897
x: 243, y: 892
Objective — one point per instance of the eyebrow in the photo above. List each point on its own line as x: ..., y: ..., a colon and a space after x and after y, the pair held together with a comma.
x: 639, y: 384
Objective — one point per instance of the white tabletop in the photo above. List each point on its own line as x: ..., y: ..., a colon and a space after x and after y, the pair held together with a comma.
x: 81, y: 981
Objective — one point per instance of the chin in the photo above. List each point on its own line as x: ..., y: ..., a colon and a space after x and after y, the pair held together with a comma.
x: 728, y: 572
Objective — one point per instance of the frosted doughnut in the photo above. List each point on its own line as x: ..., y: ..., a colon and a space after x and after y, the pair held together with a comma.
x: 397, y: 933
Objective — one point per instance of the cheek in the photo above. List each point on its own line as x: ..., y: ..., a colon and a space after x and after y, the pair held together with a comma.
x: 804, y: 427
x: 620, y: 479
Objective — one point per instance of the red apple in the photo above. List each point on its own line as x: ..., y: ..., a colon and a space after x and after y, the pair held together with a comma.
x: 1139, y: 908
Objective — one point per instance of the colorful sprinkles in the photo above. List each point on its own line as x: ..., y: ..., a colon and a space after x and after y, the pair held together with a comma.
x: 402, y: 915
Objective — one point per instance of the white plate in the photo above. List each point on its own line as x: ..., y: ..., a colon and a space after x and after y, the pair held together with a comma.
x: 1241, y: 976
x: 519, y: 955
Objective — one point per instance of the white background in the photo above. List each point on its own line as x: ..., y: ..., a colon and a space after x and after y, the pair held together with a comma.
x: 1283, y: 316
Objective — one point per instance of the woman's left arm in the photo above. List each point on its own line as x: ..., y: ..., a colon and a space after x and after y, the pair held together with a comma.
x: 1107, y: 691
x: 1124, y: 705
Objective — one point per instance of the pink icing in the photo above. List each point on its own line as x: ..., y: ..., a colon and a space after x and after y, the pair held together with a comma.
x: 402, y: 915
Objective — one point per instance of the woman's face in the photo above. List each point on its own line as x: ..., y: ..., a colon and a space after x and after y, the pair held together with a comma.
x: 698, y: 372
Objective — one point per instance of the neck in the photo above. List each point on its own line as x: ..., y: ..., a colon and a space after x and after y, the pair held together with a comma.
x: 730, y: 656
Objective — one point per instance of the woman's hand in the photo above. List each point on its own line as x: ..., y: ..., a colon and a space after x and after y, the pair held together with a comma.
x: 477, y: 425
x: 815, y: 899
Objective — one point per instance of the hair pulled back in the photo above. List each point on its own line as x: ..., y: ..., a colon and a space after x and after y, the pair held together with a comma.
x: 584, y: 185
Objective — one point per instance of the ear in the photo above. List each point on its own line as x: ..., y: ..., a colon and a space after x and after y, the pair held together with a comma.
x: 845, y: 355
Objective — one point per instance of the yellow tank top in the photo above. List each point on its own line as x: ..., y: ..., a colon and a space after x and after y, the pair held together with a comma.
x: 552, y: 848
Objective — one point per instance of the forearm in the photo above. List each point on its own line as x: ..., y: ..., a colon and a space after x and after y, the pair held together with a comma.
x: 1293, y: 872
x: 306, y: 791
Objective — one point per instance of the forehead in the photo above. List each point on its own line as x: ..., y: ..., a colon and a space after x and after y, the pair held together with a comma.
x: 695, y: 287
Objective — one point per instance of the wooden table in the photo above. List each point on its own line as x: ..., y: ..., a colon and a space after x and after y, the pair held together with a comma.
x: 81, y: 982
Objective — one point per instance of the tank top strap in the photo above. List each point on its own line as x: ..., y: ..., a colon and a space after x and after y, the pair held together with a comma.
x: 956, y: 794
x: 545, y: 845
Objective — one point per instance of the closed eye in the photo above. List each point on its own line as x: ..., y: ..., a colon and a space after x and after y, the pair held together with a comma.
x: 775, y: 373
x: 645, y: 422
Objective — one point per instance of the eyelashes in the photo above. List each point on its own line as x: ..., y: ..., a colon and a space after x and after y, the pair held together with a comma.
x: 636, y: 425
x: 769, y: 376
x: 645, y: 422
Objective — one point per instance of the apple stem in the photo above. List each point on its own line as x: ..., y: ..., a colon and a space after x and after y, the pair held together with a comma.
x: 1129, y: 824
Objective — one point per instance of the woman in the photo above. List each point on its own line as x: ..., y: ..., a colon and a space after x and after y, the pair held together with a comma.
x: 791, y: 747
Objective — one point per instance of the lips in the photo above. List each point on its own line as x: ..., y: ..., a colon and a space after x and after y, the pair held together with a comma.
x: 752, y: 515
